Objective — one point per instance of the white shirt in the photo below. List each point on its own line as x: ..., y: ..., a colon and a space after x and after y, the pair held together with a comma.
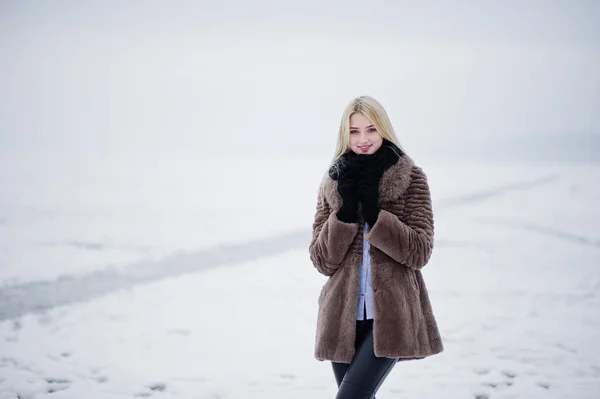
x: 365, y: 297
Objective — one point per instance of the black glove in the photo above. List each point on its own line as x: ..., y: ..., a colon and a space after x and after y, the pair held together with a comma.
x: 347, y: 187
x: 368, y: 195
x: 348, y: 213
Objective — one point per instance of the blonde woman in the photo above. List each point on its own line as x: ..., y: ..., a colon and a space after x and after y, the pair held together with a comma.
x: 372, y: 234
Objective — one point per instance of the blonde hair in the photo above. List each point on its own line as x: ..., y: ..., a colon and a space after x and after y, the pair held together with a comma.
x: 373, y: 110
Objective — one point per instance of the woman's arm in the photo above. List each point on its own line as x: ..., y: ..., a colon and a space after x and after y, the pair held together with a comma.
x: 408, y: 241
x: 331, y: 238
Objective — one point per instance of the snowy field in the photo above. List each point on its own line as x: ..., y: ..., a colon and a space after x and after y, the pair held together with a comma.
x: 153, y: 245
x: 165, y: 278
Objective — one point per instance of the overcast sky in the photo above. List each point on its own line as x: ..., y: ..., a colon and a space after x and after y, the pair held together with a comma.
x: 186, y: 76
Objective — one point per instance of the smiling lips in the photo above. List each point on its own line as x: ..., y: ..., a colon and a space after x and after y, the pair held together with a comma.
x: 365, y: 149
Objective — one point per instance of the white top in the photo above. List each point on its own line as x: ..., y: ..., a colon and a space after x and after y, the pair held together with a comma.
x: 365, y: 297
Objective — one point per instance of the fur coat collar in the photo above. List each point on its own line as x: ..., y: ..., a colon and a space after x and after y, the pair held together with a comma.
x: 394, y: 182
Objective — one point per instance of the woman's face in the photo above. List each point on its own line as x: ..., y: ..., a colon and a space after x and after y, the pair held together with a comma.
x: 364, y: 138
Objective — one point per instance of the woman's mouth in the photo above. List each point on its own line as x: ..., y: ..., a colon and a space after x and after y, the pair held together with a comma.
x: 365, y: 149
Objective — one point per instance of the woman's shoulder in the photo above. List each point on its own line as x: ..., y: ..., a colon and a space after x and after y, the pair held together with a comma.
x: 327, y: 187
x: 396, y: 180
x: 407, y: 169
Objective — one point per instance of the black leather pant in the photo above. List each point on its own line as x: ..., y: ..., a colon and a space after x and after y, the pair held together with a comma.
x: 361, y: 378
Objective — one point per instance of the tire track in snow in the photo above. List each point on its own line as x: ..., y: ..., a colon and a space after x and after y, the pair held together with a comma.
x: 38, y: 296
x: 19, y: 299
x: 542, y: 230
x: 483, y: 195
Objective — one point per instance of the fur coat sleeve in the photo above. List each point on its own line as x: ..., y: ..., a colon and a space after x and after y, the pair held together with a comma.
x: 331, y: 237
x: 408, y: 241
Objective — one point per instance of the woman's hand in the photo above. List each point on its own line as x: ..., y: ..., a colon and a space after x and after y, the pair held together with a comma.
x: 347, y: 187
x: 368, y: 195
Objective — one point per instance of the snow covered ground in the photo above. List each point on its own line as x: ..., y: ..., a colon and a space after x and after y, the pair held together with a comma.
x: 182, y: 278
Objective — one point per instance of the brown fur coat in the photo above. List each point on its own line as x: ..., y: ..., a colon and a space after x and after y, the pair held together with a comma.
x: 401, y: 244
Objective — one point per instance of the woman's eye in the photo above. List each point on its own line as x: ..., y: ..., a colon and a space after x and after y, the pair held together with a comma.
x: 353, y: 131
x: 372, y: 129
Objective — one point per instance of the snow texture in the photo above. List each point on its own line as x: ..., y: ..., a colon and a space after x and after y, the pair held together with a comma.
x: 190, y: 309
